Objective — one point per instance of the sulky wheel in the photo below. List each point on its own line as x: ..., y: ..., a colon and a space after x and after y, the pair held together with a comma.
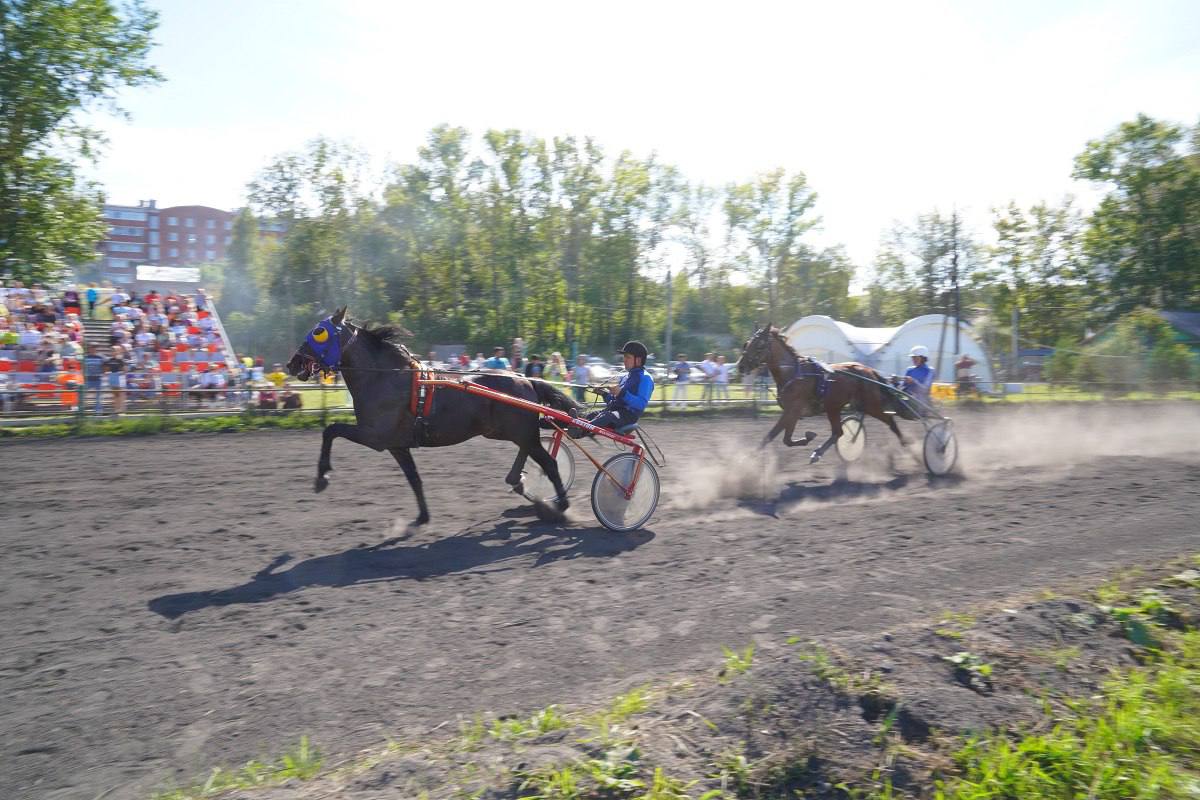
x: 537, y: 484
x: 612, y: 508
x: 940, y: 449
x: 853, y: 441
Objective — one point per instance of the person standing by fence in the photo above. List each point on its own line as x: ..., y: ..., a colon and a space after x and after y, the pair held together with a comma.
x: 709, y: 367
x: 683, y: 376
x: 721, y: 379
x: 579, y: 379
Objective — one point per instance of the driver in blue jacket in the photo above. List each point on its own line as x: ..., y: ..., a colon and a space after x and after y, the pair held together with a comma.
x: 633, y: 393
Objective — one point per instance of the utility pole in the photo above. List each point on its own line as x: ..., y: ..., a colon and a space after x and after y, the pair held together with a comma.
x: 1016, y: 320
x: 670, y: 318
x: 954, y: 278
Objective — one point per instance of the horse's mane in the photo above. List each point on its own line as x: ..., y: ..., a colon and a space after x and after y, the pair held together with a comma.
x: 779, y: 337
x: 389, y: 336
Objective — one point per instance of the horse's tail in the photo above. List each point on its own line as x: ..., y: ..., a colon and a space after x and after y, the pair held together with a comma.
x: 548, y: 395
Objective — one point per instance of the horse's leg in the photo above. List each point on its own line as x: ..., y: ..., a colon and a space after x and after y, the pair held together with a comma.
x: 777, y: 429
x: 874, y: 408
x: 404, y: 458
x: 513, y: 478
x: 331, y: 432
x: 834, y: 413
x: 550, y: 467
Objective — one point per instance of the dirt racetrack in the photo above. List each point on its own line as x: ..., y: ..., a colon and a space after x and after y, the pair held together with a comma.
x: 176, y: 602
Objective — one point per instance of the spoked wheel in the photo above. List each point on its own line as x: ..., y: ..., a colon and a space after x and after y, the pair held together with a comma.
x: 940, y: 449
x: 615, y: 511
x: 537, y: 484
x: 853, y: 441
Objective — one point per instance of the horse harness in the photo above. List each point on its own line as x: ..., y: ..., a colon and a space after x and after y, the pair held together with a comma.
x: 420, y: 403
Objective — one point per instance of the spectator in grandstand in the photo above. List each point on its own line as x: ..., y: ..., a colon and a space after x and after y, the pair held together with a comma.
x: 92, y: 294
x: 115, y: 369
x: 119, y: 331
x: 683, y: 376
x: 71, y: 349
x: 29, y: 338
x: 70, y: 300
x: 93, y: 370
x: 118, y: 298
x: 580, y: 377
x: 477, y: 361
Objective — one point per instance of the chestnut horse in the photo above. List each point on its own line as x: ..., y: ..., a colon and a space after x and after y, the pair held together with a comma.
x: 805, y: 387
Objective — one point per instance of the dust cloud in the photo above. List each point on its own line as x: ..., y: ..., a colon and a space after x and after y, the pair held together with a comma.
x: 991, y: 440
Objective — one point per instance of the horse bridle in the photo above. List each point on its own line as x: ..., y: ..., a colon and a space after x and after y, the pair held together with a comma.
x: 326, y: 340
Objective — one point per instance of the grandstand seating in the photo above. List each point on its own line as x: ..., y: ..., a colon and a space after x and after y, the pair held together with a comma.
x: 19, y: 366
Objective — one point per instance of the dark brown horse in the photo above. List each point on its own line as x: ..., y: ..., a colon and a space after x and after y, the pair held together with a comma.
x: 805, y: 387
x: 381, y: 374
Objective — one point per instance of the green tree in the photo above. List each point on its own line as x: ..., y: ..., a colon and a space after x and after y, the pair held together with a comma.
x: 239, y: 289
x: 59, y: 59
x: 1142, y: 242
x: 1040, y: 266
x: 769, y: 215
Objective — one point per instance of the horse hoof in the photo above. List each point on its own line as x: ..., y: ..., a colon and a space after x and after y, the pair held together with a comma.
x: 320, y: 484
x: 562, y: 503
x: 548, y: 513
x: 814, y: 458
x: 421, y: 520
x: 519, y: 488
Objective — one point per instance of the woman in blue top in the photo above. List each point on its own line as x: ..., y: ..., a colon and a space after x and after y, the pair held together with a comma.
x: 631, y: 398
x: 918, y: 379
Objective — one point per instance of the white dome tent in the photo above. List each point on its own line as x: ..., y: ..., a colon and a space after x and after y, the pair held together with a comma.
x: 886, y: 349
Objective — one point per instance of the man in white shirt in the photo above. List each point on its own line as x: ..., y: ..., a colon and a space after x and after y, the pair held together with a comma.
x: 709, y: 367
x: 721, y: 379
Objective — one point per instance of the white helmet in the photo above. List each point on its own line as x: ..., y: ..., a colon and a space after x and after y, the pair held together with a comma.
x: 920, y: 350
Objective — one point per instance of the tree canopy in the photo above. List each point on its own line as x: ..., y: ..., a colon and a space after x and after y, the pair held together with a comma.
x: 59, y: 58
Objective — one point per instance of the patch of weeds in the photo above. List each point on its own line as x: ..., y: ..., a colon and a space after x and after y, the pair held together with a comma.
x: 302, y: 763
x: 1138, y: 739
x: 1189, y: 578
x: 1109, y: 593
x: 953, y: 624
x: 736, y: 662
x: 971, y: 671
x: 615, y: 777
x: 544, y: 721
x: 664, y: 787
x: 825, y: 668
x: 550, y: 783
x: 1061, y: 657
x: 733, y: 769
x: 603, y: 723
x: 1150, y: 607
x: 470, y: 734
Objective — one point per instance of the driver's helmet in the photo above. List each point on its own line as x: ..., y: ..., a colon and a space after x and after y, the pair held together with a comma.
x: 920, y: 350
x: 635, y: 349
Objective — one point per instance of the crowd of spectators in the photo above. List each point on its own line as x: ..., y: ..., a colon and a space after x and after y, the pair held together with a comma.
x: 159, y: 345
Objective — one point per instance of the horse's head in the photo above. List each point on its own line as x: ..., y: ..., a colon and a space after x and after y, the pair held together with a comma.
x: 756, y: 350
x: 322, y: 348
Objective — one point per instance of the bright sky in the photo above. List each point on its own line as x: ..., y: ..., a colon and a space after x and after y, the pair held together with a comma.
x: 891, y: 108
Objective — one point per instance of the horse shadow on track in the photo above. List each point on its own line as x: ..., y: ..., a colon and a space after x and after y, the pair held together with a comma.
x: 462, y: 553
x: 843, y: 490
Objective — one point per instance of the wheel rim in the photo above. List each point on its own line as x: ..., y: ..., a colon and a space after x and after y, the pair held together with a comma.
x: 941, y: 449
x: 614, y: 511
x: 853, y: 441
x: 538, y: 485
